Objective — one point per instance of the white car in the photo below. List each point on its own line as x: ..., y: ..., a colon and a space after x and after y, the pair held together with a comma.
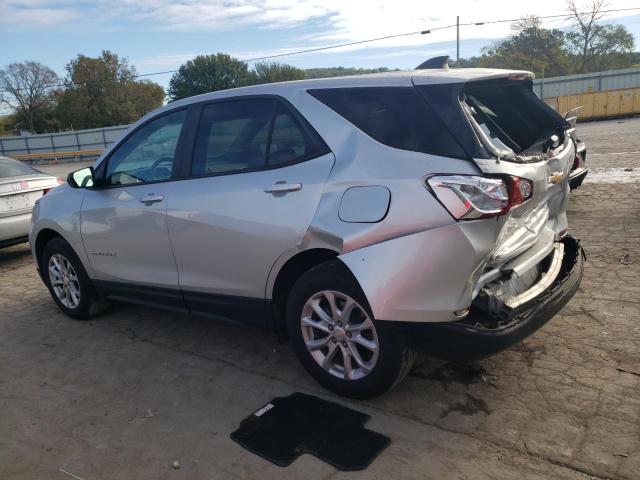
x: 366, y: 217
x: 20, y: 187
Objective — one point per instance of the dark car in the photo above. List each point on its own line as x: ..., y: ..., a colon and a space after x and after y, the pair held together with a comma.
x: 579, y: 169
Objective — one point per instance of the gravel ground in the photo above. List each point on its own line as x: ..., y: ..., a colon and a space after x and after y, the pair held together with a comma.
x: 128, y: 393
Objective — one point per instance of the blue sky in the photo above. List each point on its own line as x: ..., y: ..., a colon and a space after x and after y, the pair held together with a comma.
x: 159, y: 35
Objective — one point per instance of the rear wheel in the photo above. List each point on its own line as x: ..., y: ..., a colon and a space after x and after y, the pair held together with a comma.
x: 68, y: 282
x: 337, y: 339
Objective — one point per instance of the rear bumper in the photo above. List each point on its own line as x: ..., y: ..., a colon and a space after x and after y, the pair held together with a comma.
x: 13, y: 241
x: 577, y: 176
x: 470, y: 339
x: 14, y: 229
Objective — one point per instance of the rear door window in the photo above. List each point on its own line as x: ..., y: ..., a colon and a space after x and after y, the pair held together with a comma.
x: 395, y: 116
x: 232, y: 136
x: 291, y: 141
x: 249, y: 134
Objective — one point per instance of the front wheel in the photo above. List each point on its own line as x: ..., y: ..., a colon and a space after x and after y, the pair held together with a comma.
x: 68, y: 282
x: 337, y: 339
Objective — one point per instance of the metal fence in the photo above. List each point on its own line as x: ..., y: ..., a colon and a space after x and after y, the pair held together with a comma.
x: 79, y: 144
x: 587, y: 82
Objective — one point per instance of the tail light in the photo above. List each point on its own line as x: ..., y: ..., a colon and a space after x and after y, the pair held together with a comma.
x: 577, y: 161
x: 47, y: 190
x: 469, y: 197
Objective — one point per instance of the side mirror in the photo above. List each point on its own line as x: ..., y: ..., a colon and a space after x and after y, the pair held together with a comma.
x: 83, y: 178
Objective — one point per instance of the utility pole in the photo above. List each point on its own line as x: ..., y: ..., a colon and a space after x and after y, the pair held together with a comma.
x: 458, y: 41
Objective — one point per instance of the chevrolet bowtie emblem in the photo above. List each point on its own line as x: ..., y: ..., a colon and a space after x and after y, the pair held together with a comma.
x: 556, y: 177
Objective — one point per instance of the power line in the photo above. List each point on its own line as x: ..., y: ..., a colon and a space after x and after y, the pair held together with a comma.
x: 424, y: 32
x: 564, y: 15
x: 360, y: 42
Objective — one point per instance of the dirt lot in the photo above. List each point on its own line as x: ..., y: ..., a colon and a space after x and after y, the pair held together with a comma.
x: 125, y: 395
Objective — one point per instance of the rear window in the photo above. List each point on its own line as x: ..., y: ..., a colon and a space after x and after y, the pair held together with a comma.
x: 14, y: 168
x: 513, y: 114
x: 395, y: 116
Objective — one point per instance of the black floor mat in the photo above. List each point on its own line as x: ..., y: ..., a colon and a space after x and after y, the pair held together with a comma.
x: 287, y: 427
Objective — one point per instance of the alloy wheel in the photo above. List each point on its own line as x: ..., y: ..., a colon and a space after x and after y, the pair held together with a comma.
x: 339, y: 335
x: 64, y: 281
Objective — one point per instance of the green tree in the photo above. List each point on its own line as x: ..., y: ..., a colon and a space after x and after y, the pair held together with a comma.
x: 7, y: 124
x: 28, y: 90
x: 471, y: 62
x: 597, y: 47
x: 530, y: 48
x: 208, y: 73
x: 276, y: 72
x: 102, y: 92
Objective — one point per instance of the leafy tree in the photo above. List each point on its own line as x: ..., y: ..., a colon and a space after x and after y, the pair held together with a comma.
x: 594, y: 46
x: 471, y: 62
x: 276, y: 72
x: 530, y: 48
x: 102, y: 92
x: 208, y: 73
x: 27, y: 90
x: 7, y: 124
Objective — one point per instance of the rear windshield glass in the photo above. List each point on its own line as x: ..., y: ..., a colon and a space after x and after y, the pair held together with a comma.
x: 395, y: 116
x: 14, y: 168
x: 513, y: 114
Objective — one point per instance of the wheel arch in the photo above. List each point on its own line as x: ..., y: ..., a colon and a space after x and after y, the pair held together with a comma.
x: 287, y: 276
x: 44, y: 236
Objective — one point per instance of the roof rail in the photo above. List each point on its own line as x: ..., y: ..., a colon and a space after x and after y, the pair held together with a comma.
x: 435, y: 63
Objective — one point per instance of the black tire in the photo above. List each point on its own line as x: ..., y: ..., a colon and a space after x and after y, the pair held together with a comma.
x: 90, y: 304
x: 394, y: 360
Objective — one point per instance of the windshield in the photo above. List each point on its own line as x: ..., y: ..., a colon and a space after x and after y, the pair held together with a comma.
x: 14, y: 168
x: 513, y: 116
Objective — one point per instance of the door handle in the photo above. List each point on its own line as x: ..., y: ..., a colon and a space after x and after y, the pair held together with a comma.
x: 283, y: 187
x: 151, y: 198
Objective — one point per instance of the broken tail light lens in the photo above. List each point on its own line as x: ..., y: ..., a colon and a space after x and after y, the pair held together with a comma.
x: 469, y: 197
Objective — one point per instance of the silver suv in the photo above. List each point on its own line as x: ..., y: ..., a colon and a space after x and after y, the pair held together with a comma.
x: 366, y: 218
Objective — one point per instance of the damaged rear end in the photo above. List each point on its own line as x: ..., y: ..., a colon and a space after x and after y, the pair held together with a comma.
x: 525, y: 152
x: 504, y: 313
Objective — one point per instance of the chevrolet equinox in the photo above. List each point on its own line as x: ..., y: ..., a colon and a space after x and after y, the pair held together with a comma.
x: 368, y: 219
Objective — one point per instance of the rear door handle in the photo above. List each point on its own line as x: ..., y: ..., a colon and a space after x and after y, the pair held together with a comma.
x: 283, y: 187
x: 151, y: 198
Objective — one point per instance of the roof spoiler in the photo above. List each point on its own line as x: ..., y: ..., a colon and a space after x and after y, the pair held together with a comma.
x: 435, y: 63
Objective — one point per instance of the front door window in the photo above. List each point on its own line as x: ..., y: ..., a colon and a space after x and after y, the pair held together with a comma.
x: 149, y: 154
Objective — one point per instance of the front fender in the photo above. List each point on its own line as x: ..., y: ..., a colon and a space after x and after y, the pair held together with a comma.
x: 59, y: 211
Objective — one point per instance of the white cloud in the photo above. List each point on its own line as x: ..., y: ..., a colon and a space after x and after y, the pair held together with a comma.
x: 220, y: 14
x: 329, y: 21
x: 34, y: 13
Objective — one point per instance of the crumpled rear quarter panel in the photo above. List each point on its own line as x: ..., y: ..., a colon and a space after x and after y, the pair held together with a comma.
x: 426, y: 276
